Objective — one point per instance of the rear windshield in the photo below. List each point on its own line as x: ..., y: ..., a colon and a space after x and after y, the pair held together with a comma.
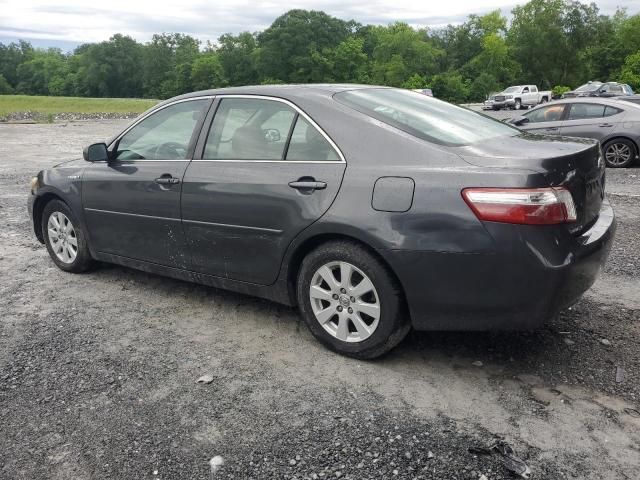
x: 425, y: 117
x: 588, y: 87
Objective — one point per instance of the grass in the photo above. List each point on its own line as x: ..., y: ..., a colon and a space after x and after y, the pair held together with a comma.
x: 49, y: 106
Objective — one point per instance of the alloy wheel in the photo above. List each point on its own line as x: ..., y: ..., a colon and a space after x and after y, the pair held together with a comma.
x: 345, y: 301
x: 618, y: 154
x: 62, y: 237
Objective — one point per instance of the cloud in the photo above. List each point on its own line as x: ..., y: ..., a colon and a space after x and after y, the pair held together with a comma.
x: 71, y: 22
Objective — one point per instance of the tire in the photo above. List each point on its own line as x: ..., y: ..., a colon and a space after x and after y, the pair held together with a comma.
x: 543, y: 100
x: 619, y: 153
x: 378, y: 336
x: 518, y: 104
x: 69, y: 251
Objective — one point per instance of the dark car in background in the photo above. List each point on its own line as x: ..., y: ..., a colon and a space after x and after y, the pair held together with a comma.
x: 372, y: 209
x: 632, y: 99
x: 612, y: 121
x: 599, y: 89
x: 425, y: 91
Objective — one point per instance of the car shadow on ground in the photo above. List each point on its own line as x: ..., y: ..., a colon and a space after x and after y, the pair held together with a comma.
x: 584, y: 345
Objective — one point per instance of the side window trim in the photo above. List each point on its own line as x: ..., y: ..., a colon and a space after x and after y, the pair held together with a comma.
x: 285, y: 152
x: 194, y: 135
x: 204, y: 131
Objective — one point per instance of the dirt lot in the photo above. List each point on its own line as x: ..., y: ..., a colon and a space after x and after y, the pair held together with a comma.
x: 98, y: 371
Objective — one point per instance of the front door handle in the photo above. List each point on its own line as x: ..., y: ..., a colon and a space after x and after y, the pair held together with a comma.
x: 167, y: 179
x: 606, y: 125
x: 308, y: 185
x: 551, y: 129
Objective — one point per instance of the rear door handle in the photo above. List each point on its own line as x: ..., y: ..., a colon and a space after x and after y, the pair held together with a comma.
x: 551, y: 129
x: 167, y: 180
x: 308, y: 185
x: 606, y: 125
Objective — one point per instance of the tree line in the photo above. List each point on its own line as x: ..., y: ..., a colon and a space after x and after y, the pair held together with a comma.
x: 551, y: 43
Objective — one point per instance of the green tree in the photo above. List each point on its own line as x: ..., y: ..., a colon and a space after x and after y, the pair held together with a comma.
x: 12, y: 56
x: 401, y: 52
x: 109, y: 69
x: 631, y: 71
x: 348, y: 62
x: 483, y: 85
x: 495, y: 59
x: 415, y: 81
x: 286, y: 48
x: 5, y: 87
x: 550, y: 39
x: 35, y: 75
x: 450, y: 86
x: 207, y: 72
x: 237, y: 54
x: 168, y: 61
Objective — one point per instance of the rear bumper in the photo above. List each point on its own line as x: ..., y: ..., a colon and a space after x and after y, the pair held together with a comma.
x: 533, y: 274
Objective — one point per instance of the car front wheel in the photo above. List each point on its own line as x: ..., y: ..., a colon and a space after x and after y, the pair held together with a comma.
x: 350, y: 301
x: 619, y: 153
x: 64, y: 238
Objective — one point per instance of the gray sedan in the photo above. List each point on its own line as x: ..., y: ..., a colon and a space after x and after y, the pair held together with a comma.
x: 371, y: 209
x: 612, y: 121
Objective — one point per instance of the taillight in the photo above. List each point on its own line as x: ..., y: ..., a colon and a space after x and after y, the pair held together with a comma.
x: 529, y: 206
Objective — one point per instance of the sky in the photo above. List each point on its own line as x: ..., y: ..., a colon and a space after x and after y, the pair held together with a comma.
x: 68, y: 23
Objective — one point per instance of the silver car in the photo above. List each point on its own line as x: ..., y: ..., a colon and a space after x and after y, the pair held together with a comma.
x: 612, y: 121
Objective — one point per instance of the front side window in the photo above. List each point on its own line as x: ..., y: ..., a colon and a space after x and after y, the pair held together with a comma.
x: 164, y: 135
x: 551, y: 113
x: 249, y: 129
x: 582, y: 111
x: 425, y: 117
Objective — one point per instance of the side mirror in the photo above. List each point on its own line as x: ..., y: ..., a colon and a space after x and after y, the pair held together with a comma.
x: 272, y: 135
x: 96, y: 152
x: 519, y: 120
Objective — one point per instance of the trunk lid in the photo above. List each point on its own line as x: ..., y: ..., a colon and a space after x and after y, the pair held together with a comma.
x: 574, y: 163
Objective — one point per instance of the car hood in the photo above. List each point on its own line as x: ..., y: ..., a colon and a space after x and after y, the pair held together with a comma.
x: 76, y: 162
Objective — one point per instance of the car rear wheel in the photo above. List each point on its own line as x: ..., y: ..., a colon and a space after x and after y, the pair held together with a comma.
x: 350, y: 301
x: 64, y: 238
x: 619, y: 153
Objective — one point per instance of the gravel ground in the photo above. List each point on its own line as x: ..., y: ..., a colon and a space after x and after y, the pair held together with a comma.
x: 98, y: 371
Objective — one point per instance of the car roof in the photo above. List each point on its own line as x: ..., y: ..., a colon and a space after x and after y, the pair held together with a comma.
x: 611, y: 101
x: 282, y: 91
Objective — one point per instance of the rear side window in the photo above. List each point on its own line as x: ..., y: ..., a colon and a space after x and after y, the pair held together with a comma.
x: 249, y: 129
x: 425, y: 117
x: 582, y: 111
x: 609, y: 111
x: 262, y: 129
x: 308, y: 144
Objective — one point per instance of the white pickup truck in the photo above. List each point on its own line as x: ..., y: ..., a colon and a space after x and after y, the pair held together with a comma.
x: 519, y: 96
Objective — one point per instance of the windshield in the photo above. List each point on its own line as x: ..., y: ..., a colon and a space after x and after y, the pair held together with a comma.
x: 588, y: 87
x: 425, y: 117
x: 512, y: 89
